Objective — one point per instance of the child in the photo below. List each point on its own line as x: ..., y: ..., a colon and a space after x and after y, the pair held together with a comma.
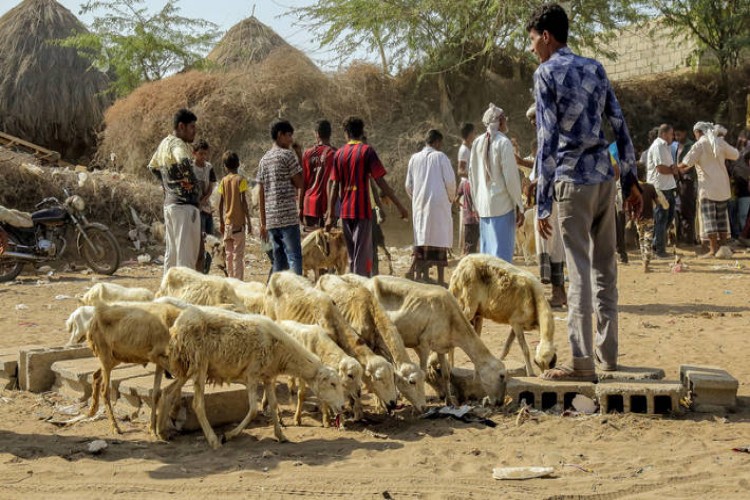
x: 233, y: 189
x: 469, y: 217
x: 204, y: 173
x: 645, y: 223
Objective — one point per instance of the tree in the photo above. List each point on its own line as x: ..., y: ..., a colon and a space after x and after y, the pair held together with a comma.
x: 448, y: 37
x: 138, y: 45
x: 722, y: 26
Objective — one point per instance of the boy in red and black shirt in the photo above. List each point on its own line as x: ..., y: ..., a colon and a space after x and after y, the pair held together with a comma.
x: 353, y: 166
x: 317, y: 163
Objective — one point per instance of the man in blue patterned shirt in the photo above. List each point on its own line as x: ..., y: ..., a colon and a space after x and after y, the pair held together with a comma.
x: 572, y: 93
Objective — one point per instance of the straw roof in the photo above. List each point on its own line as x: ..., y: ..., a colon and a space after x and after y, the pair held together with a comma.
x: 49, y: 95
x: 250, y: 42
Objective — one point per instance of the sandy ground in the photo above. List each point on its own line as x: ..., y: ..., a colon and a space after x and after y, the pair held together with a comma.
x: 698, y: 316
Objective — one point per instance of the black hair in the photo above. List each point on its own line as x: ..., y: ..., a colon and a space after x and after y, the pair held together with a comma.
x: 323, y: 129
x: 354, y: 127
x: 200, y: 145
x: 231, y: 160
x: 281, y: 127
x: 466, y: 130
x: 550, y: 17
x: 433, y: 136
x: 184, y: 116
x: 664, y: 128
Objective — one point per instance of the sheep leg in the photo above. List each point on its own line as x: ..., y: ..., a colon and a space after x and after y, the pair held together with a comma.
x: 325, y: 414
x: 508, y: 343
x: 273, y: 405
x: 156, y: 395
x: 446, y: 379
x: 300, y: 402
x: 96, y: 392
x: 171, y: 393
x: 252, y: 397
x: 357, y: 411
x: 199, y: 406
x: 106, y: 372
x: 525, y: 348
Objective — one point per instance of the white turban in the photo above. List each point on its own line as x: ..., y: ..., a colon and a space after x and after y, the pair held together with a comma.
x: 720, y: 130
x: 492, y: 117
x: 708, y: 130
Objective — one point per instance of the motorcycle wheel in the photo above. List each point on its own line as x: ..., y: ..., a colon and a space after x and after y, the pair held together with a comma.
x: 104, y: 257
x: 9, y: 269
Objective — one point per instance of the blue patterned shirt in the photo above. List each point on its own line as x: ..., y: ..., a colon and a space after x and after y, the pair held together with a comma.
x: 572, y: 93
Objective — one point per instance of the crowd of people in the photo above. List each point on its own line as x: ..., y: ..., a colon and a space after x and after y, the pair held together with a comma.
x: 584, y: 191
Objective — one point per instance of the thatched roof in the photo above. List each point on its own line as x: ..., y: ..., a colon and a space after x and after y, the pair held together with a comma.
x: 49, y: 95
x: 249, y: 42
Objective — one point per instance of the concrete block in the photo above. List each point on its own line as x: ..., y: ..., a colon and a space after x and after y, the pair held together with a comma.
x: 224, y: 404
x: 642, y: 396
x: 709, y: 387
x: 631, y: 373
x: 9, y: 366
x: 35, y: 365
x: 75, y: 377
x: 546, y: 394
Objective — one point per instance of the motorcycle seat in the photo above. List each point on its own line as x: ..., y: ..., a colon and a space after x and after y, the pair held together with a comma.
x: 15, y: 218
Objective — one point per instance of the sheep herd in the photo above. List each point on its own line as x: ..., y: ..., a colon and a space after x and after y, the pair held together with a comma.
x: 335, y: 337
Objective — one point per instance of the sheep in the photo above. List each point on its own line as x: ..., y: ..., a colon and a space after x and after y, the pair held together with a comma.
x: 216, y: 346
x: 109, y: 292
x: 428, y: 318
x: 218, y: 252
x: 251, y: 293
x: 292, y: 297
x: 324, y: 250
x: 464, y: 384
x: 128, y: 332
x: 486, y: 286
x: 317, y: 341
x: 78, y: 324
x: 525, y: 238
x: 370, y: 321
x: 198, y: 289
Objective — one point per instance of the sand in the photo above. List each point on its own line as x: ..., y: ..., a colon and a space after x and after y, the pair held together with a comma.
x: 699, y: 316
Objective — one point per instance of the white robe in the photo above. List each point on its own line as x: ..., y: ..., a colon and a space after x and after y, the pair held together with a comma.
x: 431, y: 184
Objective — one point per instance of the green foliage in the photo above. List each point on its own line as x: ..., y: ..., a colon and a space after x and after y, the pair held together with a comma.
x: 444, y: 35
x: 137, y: 45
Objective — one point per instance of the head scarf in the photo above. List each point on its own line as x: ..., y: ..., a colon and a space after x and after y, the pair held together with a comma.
x: 720, y: 130
x: 491, y: 120
x: 708, y: 130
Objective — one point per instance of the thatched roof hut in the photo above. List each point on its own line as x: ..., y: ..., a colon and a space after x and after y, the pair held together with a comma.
x: 49, y: 95
x: 250, y: 42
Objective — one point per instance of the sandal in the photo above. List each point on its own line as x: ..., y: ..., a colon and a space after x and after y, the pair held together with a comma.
x: 568, y: 373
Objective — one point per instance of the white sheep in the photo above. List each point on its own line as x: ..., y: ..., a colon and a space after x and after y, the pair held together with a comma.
x: 324, y: 250
x: 317, y: 341
x: 129, y: 332
x: 428, y: 318
x: 488, y: 287
x: 251, y: 293
x: 526, y: 239
x: 212, y: 345
x: 198, y: 288
x: 372, y: 324
x: 218, y: 252
x: 292, y: 297
x: 78, y: 324
x: 110, y: 292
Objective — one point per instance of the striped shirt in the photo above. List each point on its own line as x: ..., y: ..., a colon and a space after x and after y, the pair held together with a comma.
x: 275, y: 172
x: 317, y: 163
x: 353, y: 166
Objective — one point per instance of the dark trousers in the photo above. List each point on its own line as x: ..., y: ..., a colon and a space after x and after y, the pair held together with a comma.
x: 358, y: 236
x: 378, y: 238
x: 688, y: 204
x: 662, y: 219
x: 622, y: 249
x: 204, y: 258
x: 471, y: 238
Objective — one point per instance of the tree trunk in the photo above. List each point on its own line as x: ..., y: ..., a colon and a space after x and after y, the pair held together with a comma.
x: 446, y: 105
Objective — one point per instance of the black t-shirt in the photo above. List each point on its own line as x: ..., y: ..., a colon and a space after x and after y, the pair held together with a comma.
x: 648, y: 194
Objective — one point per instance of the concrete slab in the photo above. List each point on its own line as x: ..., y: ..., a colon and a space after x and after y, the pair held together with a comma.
x: 9, y: 366
x: 710, y: 387
x: 35, y: 365
x: 545, y: 394
x: 642, y: 396
x: 74, y: 378
x: 631, y: 373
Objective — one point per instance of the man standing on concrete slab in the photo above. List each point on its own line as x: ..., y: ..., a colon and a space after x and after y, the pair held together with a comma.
x: 572, y: 93
x: 661, y: 175
x: 171, y: 163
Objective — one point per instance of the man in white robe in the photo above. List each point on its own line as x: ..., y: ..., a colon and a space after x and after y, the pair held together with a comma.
x: 431, y: 184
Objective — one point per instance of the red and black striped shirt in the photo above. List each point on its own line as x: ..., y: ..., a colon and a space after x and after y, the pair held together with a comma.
x: 353, y: 166
x: 317, y: 163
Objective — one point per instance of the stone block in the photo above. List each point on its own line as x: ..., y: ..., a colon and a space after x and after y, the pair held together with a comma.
x: 75, y: 377
x: 546, y: 394
x: 709, y: 387
x: 631, y: 373
x: 642, y: 396
x: 35, y: 365
x: 9, y: 366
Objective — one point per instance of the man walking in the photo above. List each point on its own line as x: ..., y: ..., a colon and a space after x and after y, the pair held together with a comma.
x: 431, y: 184
x: 317, y: 163
x: 171, y: 164
x: 353, y: 166
x: 496, y: 185
x: 572, y: 93
x: 661, y: 175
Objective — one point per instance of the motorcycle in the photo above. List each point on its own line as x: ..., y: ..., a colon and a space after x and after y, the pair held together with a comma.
x: 42, y: 237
